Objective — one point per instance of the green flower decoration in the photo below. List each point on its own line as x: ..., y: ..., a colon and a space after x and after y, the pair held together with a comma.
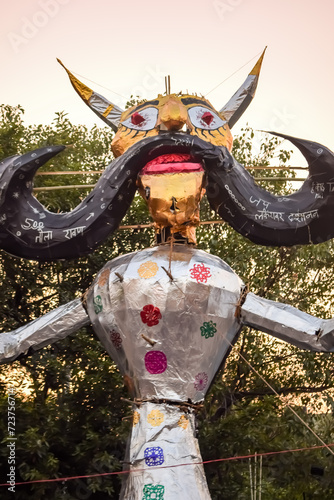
x: 97, y: 304
x: 153, y: 492
x: 208, y: 329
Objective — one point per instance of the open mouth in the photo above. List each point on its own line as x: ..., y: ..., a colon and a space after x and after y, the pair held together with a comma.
x: 172, y: 163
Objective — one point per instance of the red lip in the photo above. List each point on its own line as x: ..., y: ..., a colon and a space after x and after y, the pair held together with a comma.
x: 171, y: 163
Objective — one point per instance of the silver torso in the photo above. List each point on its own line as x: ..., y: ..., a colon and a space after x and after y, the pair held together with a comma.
x: 167, y: 318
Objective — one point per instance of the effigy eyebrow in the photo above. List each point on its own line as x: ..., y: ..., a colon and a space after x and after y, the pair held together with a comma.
x: 147, y: 103
x: 192, y: 100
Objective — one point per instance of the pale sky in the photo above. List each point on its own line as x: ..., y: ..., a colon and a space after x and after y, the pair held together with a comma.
x: 129, y: 46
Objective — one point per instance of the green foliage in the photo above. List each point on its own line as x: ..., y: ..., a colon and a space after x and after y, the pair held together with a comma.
x: 133, y: 101
x: 70, y: 418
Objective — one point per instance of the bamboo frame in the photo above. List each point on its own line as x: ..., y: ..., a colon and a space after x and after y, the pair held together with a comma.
x: 91, y: 186
x: 98, y: 172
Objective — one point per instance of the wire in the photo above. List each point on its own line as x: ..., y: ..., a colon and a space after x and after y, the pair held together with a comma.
x: 95, y: 83
x: 203, y: 462
x: 236, y: 71
x: 284, y: 402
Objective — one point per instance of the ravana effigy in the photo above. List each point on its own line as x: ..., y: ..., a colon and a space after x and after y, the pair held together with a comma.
x: 150, y: 307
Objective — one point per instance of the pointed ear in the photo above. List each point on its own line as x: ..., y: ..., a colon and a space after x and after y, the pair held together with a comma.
x: 240, y: 101
x: 108, y: 112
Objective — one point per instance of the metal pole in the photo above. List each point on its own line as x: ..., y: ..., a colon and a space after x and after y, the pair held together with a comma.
x: 255, y: 476
x: 260, y: 480
x: 251, y: 478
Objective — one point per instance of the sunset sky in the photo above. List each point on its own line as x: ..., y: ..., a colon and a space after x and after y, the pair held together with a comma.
x: 127, y: 47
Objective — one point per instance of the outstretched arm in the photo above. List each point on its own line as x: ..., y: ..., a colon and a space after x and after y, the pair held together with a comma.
x: 288, y: 323
x: 53, y: 326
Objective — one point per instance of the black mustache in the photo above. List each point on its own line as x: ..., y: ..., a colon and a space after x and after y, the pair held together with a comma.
x: 29, y: 230
x: 303, y: 217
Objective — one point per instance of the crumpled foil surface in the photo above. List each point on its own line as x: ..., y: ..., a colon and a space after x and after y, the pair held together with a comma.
x: 167, y: 317
x: 53, y: 326
x: 163, y: 436
x: 288, y: 323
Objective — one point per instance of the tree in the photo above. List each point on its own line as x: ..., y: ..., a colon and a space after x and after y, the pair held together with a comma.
x: 70, y: 418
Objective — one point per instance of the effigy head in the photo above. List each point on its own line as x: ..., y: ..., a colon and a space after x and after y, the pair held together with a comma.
x: 188, y: 113
x: 171, y: 177
x: 172, y: 184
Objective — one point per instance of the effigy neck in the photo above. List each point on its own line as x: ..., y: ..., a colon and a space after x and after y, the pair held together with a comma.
x: 184, y: 236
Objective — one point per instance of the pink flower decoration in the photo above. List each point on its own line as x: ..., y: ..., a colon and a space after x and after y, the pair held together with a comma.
x: 201, y: 381
x: 150, y: 315
x: 155, y: 362
x: 200, y: 273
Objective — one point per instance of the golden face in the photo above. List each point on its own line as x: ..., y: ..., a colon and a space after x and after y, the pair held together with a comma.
x: 173, y: 200
x: 191, y: 114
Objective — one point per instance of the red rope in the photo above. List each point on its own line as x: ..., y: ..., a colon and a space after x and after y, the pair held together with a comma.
x: 240, y: 457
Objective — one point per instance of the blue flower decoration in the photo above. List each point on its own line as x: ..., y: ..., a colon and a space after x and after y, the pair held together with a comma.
x: 154, y: 456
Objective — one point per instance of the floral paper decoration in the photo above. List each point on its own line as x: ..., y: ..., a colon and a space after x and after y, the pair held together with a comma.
x: 155, y: 418
x: 200, y: 273
x: 153, y: 492
x: 136, y: 418
x: 97, y: 304
x: 103, y: 278
x: 155, y: 362
x: 201, y: 381
x: 148, y: 269
x: 208, y: 329
x: 150, y: 315
x: 183, y: 422
x: 154, y: 456
x: 116, y: 339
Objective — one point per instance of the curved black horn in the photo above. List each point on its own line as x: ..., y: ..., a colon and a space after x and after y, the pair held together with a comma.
x: 304, y: 217
x: 106, y: 110
x: 240, y: 101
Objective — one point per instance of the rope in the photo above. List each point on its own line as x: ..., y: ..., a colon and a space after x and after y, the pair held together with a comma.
x: 240, y: 457
x: 284, y: 402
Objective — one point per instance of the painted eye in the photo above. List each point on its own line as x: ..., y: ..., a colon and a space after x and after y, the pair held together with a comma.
x: 207, y: 117
x: 145, y: 119
x: 137, y: 119
x: 204, y: 118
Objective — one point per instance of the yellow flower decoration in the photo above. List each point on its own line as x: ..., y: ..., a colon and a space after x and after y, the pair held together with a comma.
x: 148, y: 269
x: 155, y: 418
x: 136, y: 417
x: 183, y: 422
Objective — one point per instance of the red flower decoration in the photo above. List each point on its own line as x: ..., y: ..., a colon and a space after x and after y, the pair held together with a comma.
x: 150, y: 315
x: 200, y: 273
